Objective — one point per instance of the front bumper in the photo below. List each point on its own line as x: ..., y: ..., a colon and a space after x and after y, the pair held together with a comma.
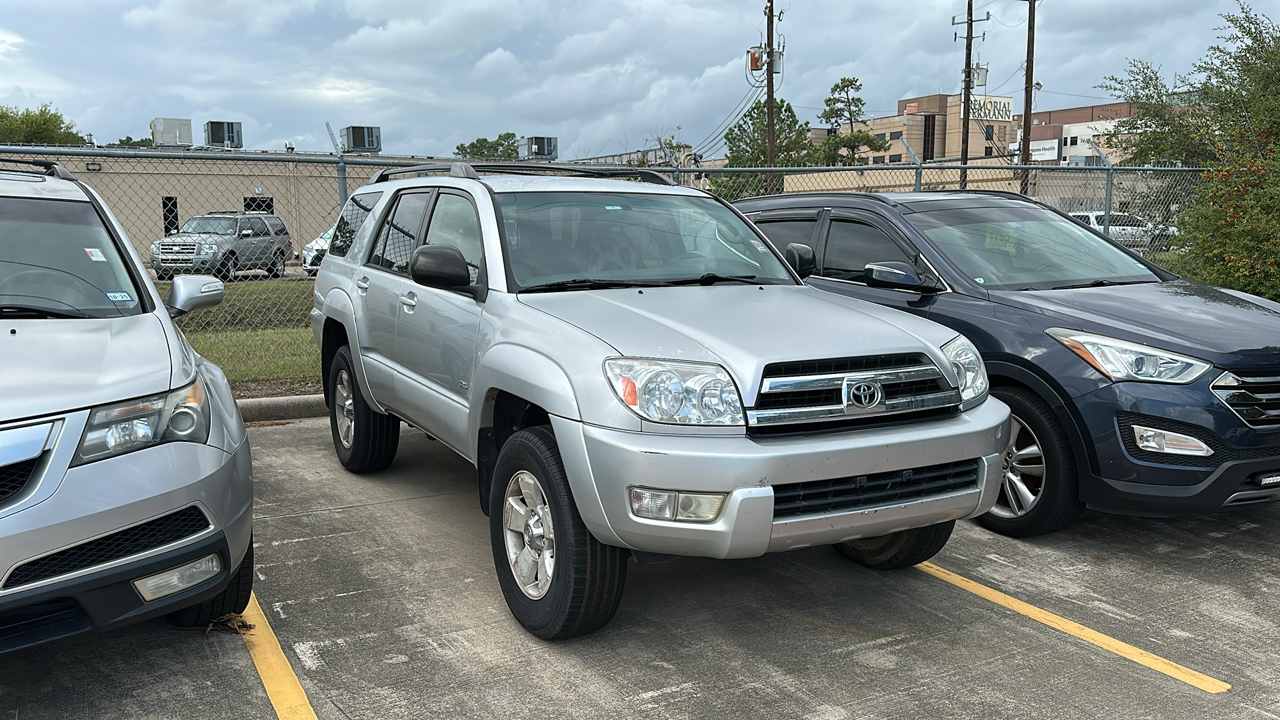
x: 100, y: 499
x: 602, y: 464
x: 1127, y: 481
x: 185, y: 263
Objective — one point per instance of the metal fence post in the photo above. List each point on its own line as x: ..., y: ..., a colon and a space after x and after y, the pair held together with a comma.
x: 919, y: 163
x: 342, y: 181
x: 1106, y: 215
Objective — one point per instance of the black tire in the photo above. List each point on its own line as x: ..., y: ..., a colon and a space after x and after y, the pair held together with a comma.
x: 234, y: 599
x: 374, y: 437
x: 586, y: 583
x: 1057, y: 503
x: 163, y: 276
x: 226, y: 270
x: 276, y: 270
x: 899, y: 550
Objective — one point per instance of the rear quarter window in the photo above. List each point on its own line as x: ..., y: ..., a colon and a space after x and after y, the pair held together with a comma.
x: 353, y: 217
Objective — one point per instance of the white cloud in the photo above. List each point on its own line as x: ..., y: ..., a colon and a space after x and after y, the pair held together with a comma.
x: 200, y: 17
x: 9, y: 42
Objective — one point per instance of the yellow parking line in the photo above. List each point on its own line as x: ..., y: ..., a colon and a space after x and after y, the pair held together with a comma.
x: 1125, y: 650
x: 283, y: 688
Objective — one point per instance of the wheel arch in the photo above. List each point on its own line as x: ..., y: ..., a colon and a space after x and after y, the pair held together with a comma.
x: 1010, y: 375
x: 340, y: 329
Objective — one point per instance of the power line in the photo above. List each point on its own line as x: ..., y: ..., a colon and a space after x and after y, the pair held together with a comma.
x: 733, y: 117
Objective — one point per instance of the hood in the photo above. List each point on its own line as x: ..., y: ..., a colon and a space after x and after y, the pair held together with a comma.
x: 1232, y: 330
x: 52, y: 366
x: 211, y: 238
x: 742, y: 327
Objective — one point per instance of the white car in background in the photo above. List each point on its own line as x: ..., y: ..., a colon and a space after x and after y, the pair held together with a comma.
x: 1129, y: 230
x: 314, y: 251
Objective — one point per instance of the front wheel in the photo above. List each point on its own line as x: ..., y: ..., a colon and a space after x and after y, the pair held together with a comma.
x: 1039, y: 492
x: 226, y: 271
x: 899, y: 550
x: 558, y: 580
x: 364, y: 439
x: 276, y: 269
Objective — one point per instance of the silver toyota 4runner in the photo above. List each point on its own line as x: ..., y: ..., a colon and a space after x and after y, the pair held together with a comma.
x: 633, y: 369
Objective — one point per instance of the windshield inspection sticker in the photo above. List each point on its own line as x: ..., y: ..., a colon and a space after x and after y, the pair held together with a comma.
x: 1000, y: 238
x: 96, y: 255
x: 118, y: 296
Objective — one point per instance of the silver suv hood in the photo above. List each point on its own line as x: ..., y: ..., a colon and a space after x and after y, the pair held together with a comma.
x: 52, y: 366
x: 742, y: 327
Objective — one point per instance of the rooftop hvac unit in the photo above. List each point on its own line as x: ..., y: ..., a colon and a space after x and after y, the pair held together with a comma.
x: 539, y: 148
x: 362, y: 139
x: 171, y: 131
x: 218, y: 133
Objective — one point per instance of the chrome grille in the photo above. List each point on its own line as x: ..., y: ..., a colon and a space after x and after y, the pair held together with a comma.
x: 1255, y: 398
x: 824, y: 390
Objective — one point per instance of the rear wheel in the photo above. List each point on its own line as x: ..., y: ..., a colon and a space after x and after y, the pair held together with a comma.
x: 364, y: 439
x: 234, y: 599
x: 899, y: 550
x: 558, y: 580
x: 1039, y: 492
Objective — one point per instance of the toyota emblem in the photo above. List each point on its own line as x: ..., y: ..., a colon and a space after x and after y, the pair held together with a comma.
x: 864, y: 394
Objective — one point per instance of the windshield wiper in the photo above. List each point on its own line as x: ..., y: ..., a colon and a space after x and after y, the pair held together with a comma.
x: 593, y: 284
x: 713, y: 278
x: 40, y: 312
x: 1103, y: 283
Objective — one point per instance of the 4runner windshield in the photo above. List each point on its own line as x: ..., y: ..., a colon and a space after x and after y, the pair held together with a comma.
x: 1027, y: 248
x: 585, y: 240
x: 210, y: 225
x: 57, y: 260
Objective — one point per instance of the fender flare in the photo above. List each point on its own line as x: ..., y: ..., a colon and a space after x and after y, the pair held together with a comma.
x: 339, y: 308
x: 522, y: 372
x: 1062, y: 409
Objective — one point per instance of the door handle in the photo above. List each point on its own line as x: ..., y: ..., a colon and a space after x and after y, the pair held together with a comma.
x: 362, y: 285
x: 410, y: 300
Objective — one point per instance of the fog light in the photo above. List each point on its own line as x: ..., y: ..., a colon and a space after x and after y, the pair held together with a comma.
x: 1170, y: 443
x: 1269, y: 479
x: 178, y: 579
x: 653, y: 504
x: 698, y: 508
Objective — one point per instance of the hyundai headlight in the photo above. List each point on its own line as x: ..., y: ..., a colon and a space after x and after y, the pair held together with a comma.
x: 680, y: 393
x: 1121, y: 360
x: 970, y: 371
x: 119, y: 428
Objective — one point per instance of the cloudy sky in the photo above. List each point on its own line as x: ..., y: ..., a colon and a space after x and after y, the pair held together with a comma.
x: 602, y: 75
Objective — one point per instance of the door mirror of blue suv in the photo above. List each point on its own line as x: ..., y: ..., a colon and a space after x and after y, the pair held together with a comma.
x: 894, y: 274
x: 801, y: 259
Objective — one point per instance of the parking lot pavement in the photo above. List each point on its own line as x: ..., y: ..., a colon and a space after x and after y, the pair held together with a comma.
x: 381, y: 590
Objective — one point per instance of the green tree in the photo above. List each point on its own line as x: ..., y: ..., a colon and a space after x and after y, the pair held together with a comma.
x: 1163, y: 129
x: 843, y: 106
x: 128, y: 141
x: 748, y: 146
x: 503, y: 147
x: 43, y: 126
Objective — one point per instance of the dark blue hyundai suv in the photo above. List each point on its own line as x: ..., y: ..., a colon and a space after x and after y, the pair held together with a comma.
x: 1133, y: 390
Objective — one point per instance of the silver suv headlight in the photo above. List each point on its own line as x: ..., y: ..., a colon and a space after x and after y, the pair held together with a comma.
x: 178, y: 416
x: 676, y: 392
x: 1121, y: 360
x: 970, y: 371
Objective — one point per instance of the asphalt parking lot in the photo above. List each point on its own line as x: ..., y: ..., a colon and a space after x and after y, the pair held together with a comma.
x: 380, y: 590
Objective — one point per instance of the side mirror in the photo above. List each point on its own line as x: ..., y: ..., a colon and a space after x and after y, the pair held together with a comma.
x: 193, y: 292
x: 439, y: 266
x: 801, y: 259
x: 246, y: 233
x: 894, y: 274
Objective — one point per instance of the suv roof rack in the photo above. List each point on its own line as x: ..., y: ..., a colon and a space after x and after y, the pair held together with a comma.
x: 51, y: 168
x: 473, y: 170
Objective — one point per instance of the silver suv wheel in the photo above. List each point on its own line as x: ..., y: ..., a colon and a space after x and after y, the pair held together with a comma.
x: 1023, y: 462
x: 530, y: 535
x: 344, y: 409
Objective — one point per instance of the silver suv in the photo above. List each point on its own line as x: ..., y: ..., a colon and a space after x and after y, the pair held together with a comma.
x: 125, y: 483
x: 224, y: 243
x: 634, y: 370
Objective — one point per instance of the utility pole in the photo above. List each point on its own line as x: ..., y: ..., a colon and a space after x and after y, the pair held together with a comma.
x: 768, y: 78
x: 1025, y: 157
x: 967, y: 90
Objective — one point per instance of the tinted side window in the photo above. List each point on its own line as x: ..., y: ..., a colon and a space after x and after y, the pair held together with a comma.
x: 454, y: 222
x: 399, y: 235
x: 258, y: 227
x: 784, y: 232
x: 277, y: 227
x: 354, y: 213
x: 851, y: 245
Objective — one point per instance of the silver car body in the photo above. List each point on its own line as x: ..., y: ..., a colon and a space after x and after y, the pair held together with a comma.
x: 259, y: 242
x: 52, y: 374
x: 549, y: 348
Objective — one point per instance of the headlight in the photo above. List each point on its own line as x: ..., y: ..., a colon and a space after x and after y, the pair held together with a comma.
x: 970, y: 371
x: 680, y: 393
x: 208, y: 249
x: 1120, y: 360
x: 181, y: 415
x: 155, y: 248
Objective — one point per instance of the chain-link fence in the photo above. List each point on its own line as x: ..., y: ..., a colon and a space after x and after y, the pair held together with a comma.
x: 248, y: 217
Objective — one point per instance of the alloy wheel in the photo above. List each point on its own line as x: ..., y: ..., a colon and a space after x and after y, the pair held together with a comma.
x: 529, y: 534
x: 1023, y: 465
x: 344, y: 408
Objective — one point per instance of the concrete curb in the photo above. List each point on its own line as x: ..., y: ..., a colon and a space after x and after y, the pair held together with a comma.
x: 291, y: 407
